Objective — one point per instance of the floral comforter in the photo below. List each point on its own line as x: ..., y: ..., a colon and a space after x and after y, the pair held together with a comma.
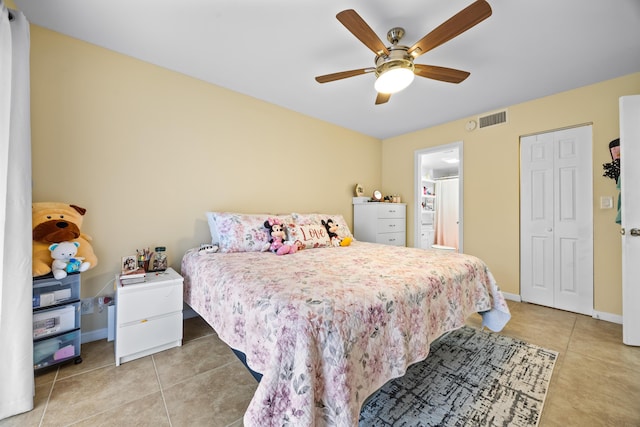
x: 328, y: 327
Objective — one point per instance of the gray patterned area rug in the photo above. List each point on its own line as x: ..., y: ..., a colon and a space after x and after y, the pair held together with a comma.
x: 470, y: 378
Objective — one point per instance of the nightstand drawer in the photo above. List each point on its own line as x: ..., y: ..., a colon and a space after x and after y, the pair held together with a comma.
x: 148, y: 335
x: 386, y: 210
x: 395, y: 239
x: 144, y: 302
x: 390, y: 225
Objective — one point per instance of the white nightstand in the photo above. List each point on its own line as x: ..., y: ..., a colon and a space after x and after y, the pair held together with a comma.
x: 148, y: 316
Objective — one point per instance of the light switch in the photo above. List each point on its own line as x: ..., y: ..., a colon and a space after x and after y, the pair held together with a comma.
x: 606, y: 202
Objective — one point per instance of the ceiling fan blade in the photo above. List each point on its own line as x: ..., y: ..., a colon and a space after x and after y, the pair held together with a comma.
x: 354, y: 23
x: 343, y: 75
x: 450, y: 75
x: 382, y: 98
x: 467, y: 18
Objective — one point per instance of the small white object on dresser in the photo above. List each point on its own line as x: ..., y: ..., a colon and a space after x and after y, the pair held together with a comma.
x: 380, y: 222
x: 148, y: 316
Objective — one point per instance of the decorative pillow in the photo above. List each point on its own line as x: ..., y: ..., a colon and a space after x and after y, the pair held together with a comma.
x: 213, y: 228
x: 316, y: 218
x: 309, y: 235
x: 238, y: 232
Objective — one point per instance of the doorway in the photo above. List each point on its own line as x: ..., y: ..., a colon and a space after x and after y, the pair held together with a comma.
x: 556, y: 219
x: 438, y: 197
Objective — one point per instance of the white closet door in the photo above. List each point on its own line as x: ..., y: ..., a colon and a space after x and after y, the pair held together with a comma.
x: 556, y: 218
x: 536, y: 219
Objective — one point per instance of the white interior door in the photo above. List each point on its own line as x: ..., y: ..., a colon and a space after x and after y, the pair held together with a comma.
x: 536, y: 219
x: 556, y: 220
x: 630, y: 217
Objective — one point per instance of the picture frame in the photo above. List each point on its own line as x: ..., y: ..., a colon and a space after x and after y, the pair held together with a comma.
x: 129, y: 264
x: 359, y: 190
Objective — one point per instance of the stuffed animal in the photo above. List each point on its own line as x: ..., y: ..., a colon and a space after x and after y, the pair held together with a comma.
x: 277, y: 243
x: 332, y: 230
x: 207, y: 248
x: 55, y: 222
x: 65, y: 260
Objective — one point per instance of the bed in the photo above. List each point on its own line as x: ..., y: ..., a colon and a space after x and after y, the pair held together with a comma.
x: 328, y: 326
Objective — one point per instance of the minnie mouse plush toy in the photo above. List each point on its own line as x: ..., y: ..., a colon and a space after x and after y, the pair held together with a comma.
x: 276, y: 231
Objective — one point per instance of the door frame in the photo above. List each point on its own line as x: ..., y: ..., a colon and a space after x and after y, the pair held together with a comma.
x: 417, y: 227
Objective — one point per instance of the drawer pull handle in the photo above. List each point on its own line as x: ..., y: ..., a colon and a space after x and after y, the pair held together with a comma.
x: 143, y: 321
x: 392, y: 225
x: 392, y: 240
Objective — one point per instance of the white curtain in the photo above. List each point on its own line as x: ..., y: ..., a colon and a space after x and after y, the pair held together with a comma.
x: 447, y: 202
x: 16, y: 347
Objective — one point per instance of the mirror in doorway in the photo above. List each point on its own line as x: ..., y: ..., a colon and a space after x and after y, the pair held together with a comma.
x: 439, y: 186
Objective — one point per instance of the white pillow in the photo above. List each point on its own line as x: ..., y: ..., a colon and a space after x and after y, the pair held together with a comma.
x: 213, y: 228
x: 237, y: 232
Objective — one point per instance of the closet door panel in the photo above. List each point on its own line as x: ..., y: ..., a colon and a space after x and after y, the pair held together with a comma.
x: 536, y: 220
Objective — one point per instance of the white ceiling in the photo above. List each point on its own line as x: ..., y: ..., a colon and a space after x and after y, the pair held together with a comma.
x: 440, y: 160
x: 273, y: 49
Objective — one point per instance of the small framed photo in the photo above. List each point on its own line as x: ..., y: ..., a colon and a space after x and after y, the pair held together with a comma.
x: 129, y: 264
x: 359, y: 190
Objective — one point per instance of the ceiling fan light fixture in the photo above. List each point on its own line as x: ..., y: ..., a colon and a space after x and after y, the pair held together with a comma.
x: 394, y: 76
x: 395, y: 69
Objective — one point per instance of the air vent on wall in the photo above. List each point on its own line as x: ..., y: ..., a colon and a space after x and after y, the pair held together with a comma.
x: 492, y: 119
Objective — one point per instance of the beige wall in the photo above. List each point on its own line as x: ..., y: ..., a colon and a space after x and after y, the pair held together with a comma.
x: 491, y: 179
x: 147, y: 151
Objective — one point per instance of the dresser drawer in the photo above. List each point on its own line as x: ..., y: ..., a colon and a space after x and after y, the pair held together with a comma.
x: 391, y: 225
x: 140, y: 301
x: 148, y: 334
x: 386, y: 210
x: 395, y: 239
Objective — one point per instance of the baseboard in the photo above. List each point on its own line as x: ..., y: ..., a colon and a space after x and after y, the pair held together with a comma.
x: 512, y: 297
x: 188, y: 313
x: 608, y: 317
x: 95, y: 335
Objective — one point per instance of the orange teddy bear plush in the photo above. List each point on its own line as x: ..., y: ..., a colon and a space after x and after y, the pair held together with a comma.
x: 55, y: 222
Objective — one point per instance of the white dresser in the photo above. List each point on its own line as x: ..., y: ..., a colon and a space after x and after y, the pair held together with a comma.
x: 380, y: 223
x: 148, y: 316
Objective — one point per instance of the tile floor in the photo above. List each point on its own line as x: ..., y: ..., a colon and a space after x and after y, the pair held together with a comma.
x: 596, y: 380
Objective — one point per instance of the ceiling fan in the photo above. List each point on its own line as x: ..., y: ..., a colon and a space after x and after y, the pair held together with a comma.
x: 394, y: 65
